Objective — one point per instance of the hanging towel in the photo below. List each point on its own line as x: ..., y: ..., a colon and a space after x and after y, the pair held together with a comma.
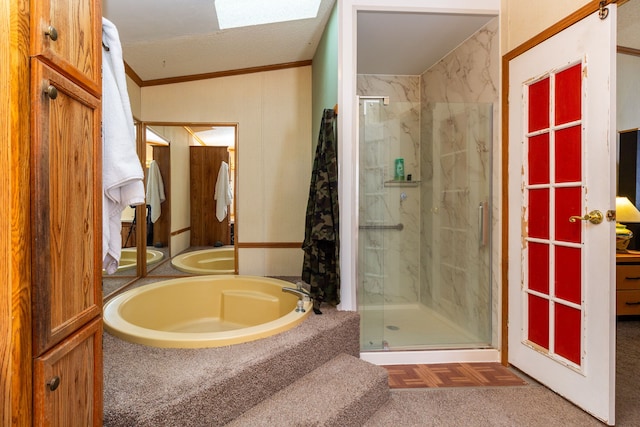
x: 155, y: 190
x: 321, y: 269
x: 223, y: 194
x: 122, y: 175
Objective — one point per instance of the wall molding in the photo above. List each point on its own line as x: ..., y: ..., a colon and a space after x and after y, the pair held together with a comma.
x: 205, y: 76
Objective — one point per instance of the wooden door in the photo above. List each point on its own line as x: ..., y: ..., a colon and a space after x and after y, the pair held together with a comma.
x: 205, y: 163
x: 562, y: 171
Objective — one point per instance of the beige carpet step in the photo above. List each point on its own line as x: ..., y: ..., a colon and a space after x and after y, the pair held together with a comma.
x: 343, y: 392
x: 146, y: 386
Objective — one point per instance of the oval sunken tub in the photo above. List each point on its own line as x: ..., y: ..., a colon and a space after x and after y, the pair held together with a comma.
x: 207, y: 261
x: 128, y: 258
x: 203, y: 311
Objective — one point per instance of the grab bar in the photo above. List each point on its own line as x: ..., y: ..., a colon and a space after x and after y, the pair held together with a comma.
x: 382, y: 227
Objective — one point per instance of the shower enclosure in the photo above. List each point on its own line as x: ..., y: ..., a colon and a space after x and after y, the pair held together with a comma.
x: 424, y: 276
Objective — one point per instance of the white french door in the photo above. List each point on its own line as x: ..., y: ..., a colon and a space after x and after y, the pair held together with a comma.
x: 561, y: 175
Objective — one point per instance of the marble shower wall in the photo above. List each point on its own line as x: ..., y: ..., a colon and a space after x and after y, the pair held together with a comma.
x: 389, y: 260
x: 459, y: 141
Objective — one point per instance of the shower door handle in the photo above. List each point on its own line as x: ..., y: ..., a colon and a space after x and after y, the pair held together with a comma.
x: 483, y: 224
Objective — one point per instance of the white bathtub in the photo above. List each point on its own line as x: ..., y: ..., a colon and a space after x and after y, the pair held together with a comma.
x: 204, y: 311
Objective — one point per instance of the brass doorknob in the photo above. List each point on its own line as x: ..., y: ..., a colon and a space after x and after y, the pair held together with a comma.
x: 594, y: 217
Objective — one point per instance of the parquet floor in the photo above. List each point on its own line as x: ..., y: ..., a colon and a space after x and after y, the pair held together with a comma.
x: 452, y: 375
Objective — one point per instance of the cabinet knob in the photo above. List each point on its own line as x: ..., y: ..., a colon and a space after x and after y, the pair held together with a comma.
x: 52, y: 33
x: 51, y: 91
x: 53, y: 383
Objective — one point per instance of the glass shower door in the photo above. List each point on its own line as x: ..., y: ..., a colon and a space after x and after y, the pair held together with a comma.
x: 423, y: 241
x: 372, y: 218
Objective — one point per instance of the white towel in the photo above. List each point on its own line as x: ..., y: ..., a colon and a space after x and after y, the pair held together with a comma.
x: 155, y: 190
x: 122, y: 175
x: 224, y: 194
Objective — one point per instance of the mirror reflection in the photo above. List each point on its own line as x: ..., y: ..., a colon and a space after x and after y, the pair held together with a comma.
x: 197, y: 165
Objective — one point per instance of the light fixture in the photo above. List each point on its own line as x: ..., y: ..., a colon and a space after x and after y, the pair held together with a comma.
x: 625, y: 212
x: 245, y: 13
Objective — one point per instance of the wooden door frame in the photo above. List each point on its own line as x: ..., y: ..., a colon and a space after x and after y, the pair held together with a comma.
x: 563, y: 24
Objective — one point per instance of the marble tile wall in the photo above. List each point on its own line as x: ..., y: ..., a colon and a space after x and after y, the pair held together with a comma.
x: 389, y: 259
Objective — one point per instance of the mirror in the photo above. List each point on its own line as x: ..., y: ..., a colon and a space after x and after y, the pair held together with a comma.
x: 189, y: 157
x: 180, y: 214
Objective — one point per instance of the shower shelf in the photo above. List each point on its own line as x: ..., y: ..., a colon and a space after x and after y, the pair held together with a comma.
x: 397, y: 183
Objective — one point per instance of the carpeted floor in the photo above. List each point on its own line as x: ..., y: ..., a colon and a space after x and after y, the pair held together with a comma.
x: 456, y: 400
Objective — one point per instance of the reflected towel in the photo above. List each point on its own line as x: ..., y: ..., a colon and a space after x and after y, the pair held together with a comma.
x: 224, y: 194
x: 122, y: 175
x: 155, y: 190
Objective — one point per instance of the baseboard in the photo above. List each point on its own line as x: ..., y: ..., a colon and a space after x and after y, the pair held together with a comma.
x: 430, y: 356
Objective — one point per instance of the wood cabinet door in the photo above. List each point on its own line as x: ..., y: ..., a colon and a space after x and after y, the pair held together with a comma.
x: 66, y: 177
x: 68, y: 381
x: 67, y: 35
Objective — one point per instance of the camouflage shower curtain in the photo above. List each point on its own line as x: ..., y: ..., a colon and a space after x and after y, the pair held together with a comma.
x: 321, y: 238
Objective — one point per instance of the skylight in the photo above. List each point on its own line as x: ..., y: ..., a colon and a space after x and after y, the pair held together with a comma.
x: 245, y: 13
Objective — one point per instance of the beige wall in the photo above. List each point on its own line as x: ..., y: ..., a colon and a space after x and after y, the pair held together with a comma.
x: 521, y: 20
x: 273, y: 112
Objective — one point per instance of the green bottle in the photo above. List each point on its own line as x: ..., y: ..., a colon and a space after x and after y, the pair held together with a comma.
x: 399, y: 175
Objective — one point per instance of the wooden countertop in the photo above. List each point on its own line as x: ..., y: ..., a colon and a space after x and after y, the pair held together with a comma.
x: 628, y: 257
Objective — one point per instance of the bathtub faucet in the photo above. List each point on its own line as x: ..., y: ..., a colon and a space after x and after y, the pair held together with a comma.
x: 302, y: 295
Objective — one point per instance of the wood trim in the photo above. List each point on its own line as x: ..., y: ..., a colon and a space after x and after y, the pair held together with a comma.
x: 181, y: 79
x: 15, y: 229
x: 141, y: 210
x: 628, y: 50
x: 132, y: 74
x: 182, y: 230
x: 269, y: 245
x: 561, y: 25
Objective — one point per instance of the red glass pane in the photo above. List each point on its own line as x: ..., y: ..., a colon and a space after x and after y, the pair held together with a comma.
x: 568, y: 203
x: 568, y: 274
x: 539, y: 105
x: 539, y: 321
x: 567, y: 332
x: 538, y: 219
x: 568, y: 93
x: 569, y: 154
x: 539, y: 267
x: 539, y: 159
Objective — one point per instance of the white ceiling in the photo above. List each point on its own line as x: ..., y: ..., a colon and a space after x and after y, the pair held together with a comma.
x: 410, y: 43
x: 169, y: 38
